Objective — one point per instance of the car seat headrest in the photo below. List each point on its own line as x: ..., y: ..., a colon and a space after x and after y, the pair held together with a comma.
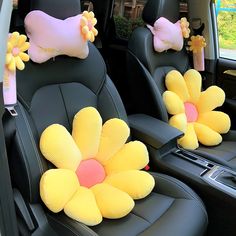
x: 60, y: 9
x: 155, y: 9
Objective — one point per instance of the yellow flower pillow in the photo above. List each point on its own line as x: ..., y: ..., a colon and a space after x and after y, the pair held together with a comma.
x: 192, y: 110
x: 98, y: 173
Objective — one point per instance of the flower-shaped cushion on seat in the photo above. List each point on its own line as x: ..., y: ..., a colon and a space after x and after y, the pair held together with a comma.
x: 98, y: 174
x: 192, y: 109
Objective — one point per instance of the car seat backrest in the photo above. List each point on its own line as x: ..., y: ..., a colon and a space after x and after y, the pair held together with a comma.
x: 157, y: 65
x: 53, y: 92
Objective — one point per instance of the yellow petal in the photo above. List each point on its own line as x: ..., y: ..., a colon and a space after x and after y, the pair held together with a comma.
x: 12, y: 64
x: 85, y: 29
x: 138, y: 184
x: 14, y: 38
x: 216, y: 120
x: 58, y: 146
x: 94, y: 21
x: 133, y: 156
x: 176, y: 83
x: 88, y: 35
x: 95, y: 32
x: 22, y: 39
x: 91, y: 14
x: 9, y: 47
x: 86, y: 14
x: 206, y: 135
x: 87, y: 127
x: 193, y: 82
x: 24, y: 47
x: 92, y: 38
x: 83, y: 207
x: 57, y: 186
x: 83, y: 21
x: 19, y: 63
x: 173, y: 103
x: 210, y: 99
x: 179, y: 122
x: 24, y: 56
x: 8, y: 58
x: 115, y: 132
x: 189, y: 140
x: 112, y: 202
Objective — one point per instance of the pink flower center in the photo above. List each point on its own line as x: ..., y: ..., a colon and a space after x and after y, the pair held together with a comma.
x: 90, y: 172
x: 90, y: 25
x: 15, y: 51
x: 190, y: 112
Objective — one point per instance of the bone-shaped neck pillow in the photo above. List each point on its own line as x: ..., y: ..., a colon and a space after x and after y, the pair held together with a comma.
x: 167, y: 35
x: 50, y: 37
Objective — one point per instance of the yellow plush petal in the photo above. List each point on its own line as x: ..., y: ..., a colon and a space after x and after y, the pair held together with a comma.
x: 9, y: 47
x: 21, y: 40
x: 206, y: 135
x: 85, y: 29
x: 91, y: 14
x: 179, y: 122
x: 87, y: 127
x: 86, y: 14
x: 173, y: 103
x: 114, y: 135
x: 176, y: 83
x: 24, y: 47
x: 133, y: 156
x: 95, y: 32
x: 24, y: 56
x: 57, y: 186
x: 138, y: 184
x: 8, y: 58
x: 210, y: 99
x: 14, y: 38
x: 58, y: 146
x: 94, y: 21
x: 83, y: 207
x: 19, y: 63
x: 216, y: 120
x: 189, y: 140
x: 112, y: 202
x: 83, y: 21
x: 12, y: 64
x: 193, y: 82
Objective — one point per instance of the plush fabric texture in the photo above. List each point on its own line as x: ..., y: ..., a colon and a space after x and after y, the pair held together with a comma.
x: 167, y: 35
x: 192, y: 109
x: 50, y: 37
x: 98, y: 174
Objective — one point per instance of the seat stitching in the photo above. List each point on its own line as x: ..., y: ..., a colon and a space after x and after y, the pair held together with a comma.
x: 32, y: 141
x: 63, y: 100
x: 187, y: 192
x: 161, y: 215
x: 71, y: 228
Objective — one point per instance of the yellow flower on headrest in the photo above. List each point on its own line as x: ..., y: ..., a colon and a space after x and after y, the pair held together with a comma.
x: 197, y: 43
x: 87, y: 22
x: 184, y: 24
x: 16, y: 46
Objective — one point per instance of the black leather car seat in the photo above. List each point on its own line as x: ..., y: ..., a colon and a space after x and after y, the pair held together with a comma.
x: 53, y: 92
x: 147, y: 70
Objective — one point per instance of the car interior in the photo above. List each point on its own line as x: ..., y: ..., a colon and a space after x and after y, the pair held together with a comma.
x: 195, y: 190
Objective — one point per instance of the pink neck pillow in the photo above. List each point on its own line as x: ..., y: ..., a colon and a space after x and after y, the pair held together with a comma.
x: 167, y: 35
x: 50, y: 37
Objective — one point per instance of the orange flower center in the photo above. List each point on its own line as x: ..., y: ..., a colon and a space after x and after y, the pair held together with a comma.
x: 15, y: 51
x: 90, y: 172
x: 190, y: 112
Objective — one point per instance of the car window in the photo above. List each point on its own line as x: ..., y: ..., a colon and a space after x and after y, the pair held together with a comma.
x: 226, y: 19
x: 127, y: 15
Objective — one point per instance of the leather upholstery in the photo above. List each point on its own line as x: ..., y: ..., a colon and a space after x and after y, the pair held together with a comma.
x: 168, y: 210
x: 155, y: 66
x: 155, y: 9
x: 53, y: 92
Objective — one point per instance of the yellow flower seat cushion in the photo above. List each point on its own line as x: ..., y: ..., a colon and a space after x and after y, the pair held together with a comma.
x: 192, y: 109
x: 98, y: 173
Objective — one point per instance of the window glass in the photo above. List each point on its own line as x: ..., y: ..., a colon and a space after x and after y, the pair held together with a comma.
x: 128, y: 15
x: 226, y: 19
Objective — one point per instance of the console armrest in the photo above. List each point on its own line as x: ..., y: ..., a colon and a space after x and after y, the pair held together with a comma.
x: 152, y: 131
